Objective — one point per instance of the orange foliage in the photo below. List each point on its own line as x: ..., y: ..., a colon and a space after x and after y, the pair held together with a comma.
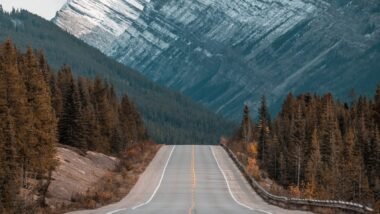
x: 310, y: 191
x: 253, y: 168
x: 295, y: 191
x: 252, y: 149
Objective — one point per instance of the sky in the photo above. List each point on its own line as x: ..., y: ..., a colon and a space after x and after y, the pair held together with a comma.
x: 44, y: 8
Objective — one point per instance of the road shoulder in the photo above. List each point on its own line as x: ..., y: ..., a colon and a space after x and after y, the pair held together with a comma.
x: 240, y: 188
x: 144, y: 187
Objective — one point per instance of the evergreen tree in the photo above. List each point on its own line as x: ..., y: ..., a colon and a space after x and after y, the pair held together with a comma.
x: 273, y: 157
x: 44, y: 120
x: 296, y: 144
x: 9, y: 170
x: 69, y: 126
x: 377, y: 106
x: 104, y: 115
x: 88, y: 118
x: 264, y: 130
x: 19, y: 111
x: 246, y: 125
x: 375, y: 165
x: 360, y: 183
x: 244, y: 136
x: 127, y: 122
x: 347, y: 165
x: 313, y: 166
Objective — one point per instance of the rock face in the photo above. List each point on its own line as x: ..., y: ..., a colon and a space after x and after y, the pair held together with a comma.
x: 224, y: 53
x: 77, y: 173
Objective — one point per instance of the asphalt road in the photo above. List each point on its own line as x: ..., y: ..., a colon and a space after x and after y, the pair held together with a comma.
x: 191, y: 179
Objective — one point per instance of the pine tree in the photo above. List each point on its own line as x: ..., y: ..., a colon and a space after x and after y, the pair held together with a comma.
x: 246, y: 131
x: 9, y: 170
x: 375, y: 165
x: 246, y: 125
x: 19, y: 111
x: 127, y: 122
x: 142, y: 133
x: 360, y: 183
x: 86, y: 112
x: 44, y: 120
x: 313, y: 165
x: 273, y: 157
x: 114, y: 108
x: 70, y: 126
x: 330, y: 133
x: 264, y: 130
x: 296, y: 146
x: 377, y: 106
x: 43, y: 66
x: 104, y: 115
x: 347, y: 165
x: 117, y: 142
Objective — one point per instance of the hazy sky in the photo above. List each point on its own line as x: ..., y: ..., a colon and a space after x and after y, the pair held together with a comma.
x: 44, y: 8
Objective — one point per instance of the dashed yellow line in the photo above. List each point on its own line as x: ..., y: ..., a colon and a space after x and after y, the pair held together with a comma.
x: 194, y: 183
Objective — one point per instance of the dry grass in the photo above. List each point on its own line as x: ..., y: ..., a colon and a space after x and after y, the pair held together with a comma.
x: 117, y: 184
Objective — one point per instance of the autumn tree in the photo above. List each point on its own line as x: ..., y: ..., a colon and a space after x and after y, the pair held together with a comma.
x: 44, y: 120
x: 38, y: 108
x: 313, y: 166
x: 9, y: 169
x: 330, y: 147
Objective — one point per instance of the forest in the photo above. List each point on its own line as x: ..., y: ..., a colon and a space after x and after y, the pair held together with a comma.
x: 317, y: 147
x: 185, y: 121
x: 40, y: 109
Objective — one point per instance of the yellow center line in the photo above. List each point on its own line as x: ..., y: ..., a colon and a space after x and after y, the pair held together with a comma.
x: 194, y: 183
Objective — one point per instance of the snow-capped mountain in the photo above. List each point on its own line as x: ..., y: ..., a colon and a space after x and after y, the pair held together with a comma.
x: 224, y: 53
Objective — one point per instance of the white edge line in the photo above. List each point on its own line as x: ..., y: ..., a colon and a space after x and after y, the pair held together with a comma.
x: 229, y: 188
x: 159, y: 183
x: 115, y: 211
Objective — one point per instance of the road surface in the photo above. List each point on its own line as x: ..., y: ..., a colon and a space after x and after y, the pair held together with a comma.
x: 191, y: 179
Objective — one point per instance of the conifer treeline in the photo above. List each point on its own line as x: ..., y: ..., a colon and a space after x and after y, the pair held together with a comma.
x: 38, y: 109
x: 90, y: 115
x: 324, y: 148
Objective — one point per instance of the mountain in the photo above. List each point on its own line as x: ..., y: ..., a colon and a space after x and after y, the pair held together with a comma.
x: 223, y: 53
x: 171, y: 118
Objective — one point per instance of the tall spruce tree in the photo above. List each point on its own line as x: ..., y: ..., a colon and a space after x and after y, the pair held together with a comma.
x: 264, y: 130
x: 44, y: 120
x: 9, y: 169
x: 296, y: 144
x: 313, y: 166
x: 10, y: 183
x: 69, y: 126
x: 104, y: 115
x: 19, y: 111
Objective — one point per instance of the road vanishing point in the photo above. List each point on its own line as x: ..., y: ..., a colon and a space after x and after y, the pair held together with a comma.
x: 191, y: 179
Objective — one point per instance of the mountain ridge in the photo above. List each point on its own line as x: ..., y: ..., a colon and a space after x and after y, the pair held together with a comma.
x: 227, y: 53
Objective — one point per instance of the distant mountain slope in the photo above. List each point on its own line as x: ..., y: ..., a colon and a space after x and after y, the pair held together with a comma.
x: 170, y: 117
x: 226, y: 52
